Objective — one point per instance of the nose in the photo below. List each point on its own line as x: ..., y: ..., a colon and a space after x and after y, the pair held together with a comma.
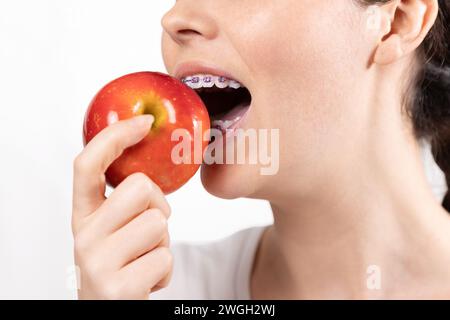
x: 189, y: 20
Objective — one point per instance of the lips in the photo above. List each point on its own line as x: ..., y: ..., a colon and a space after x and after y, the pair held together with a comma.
x: 226, y: 98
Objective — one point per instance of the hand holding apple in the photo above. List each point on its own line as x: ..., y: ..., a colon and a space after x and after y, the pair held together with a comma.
x: 121, y: 242
x: 173, y: 106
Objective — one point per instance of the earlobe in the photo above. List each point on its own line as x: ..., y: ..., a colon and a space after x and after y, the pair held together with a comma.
x: 389, y: 50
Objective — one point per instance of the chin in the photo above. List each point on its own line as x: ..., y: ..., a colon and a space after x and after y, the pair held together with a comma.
x: 229, y: 181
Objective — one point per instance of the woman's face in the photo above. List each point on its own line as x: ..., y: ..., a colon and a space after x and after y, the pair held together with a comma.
x: 304, y: 63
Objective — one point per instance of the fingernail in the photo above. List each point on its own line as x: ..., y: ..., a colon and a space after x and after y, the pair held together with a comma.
x: 145, y: 120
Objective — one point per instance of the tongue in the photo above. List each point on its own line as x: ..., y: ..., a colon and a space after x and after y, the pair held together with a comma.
x: 229, y: 119
x: 234, y: 114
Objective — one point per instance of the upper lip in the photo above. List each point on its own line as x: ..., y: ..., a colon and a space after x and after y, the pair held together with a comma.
x: 186, y: 69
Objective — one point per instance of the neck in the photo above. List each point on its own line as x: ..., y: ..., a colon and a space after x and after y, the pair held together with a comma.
x: 376, y: 213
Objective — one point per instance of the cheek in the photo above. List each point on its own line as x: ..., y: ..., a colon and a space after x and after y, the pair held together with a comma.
x: 308, y: 63
x: 305, y: 37
x: 306, y: 59
x: 169, y: 52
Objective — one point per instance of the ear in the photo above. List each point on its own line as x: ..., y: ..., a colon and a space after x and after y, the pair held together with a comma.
x: 404, y: 26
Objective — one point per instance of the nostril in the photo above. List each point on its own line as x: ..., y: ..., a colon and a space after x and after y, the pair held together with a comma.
x: 188, y: 32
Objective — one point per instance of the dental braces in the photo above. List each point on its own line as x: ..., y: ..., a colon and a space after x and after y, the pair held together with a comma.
x: 221, y: 82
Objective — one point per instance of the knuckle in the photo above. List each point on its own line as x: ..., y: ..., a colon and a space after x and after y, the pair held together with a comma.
x: 142, y: 182
x: 80, y: 163
x: 92, y: 267
x: 167, y: 235
x: 157, y: 220
x: 111, y: 132
x: 75, y: 225
x: 168, y: 210
x: 111, y: 290
x: 166, y: 258
x: 86, y: 256
x: 167, y: 239
x: 115, y: 137
x: 163, y: 284
x: 81, y: 243
x: 166, y: 281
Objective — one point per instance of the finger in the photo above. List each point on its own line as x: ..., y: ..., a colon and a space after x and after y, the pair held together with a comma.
x: 92, y: 162
x: 134, y: 195
x: 149, y: 270
x: 164, y: 282
x: 165, y: 242
x: 138, y: 237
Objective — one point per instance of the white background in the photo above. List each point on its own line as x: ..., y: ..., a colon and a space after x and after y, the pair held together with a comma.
x: 54, y: 56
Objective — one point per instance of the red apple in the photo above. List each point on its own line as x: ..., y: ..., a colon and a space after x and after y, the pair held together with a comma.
x: 174, y: 106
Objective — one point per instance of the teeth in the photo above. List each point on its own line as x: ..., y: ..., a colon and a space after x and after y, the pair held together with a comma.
x: 208, y: 81
x: 224, y: 125
x: 221, y: 82
x: 196, y: 82
x: 234, y: 84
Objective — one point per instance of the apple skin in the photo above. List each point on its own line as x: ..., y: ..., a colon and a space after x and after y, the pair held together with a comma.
x: 174, y: 106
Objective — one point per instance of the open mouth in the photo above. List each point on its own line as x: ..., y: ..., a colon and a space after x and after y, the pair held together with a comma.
x: 227, y: 100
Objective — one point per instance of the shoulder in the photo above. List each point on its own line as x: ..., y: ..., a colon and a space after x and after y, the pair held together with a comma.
x: 215, y: 270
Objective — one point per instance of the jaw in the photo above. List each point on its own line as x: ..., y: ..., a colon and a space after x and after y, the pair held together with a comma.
x: 230, y: 181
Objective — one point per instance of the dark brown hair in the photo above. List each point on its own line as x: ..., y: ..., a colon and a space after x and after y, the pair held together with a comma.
x: 428, y: 103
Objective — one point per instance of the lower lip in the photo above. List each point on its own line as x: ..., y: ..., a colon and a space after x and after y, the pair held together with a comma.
x: 223, y: 141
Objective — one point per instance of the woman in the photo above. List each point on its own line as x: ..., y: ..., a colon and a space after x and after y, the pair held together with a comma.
x: 353, y: 86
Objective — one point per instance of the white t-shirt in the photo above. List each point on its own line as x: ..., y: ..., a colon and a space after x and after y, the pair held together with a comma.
x: 219, y: 270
